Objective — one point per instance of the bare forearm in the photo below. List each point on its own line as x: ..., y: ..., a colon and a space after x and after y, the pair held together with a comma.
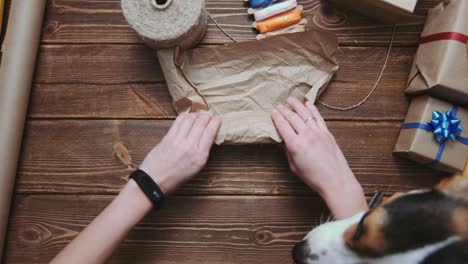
x: 96, y: 242
x: 345, y: 199
x: 180, y: 155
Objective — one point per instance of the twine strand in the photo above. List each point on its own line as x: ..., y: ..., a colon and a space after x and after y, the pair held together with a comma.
x: 377, y: 82
x: 333, y: 107
x: 221, y: 28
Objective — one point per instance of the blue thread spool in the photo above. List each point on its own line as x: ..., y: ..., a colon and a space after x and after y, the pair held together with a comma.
x: 260, y: 3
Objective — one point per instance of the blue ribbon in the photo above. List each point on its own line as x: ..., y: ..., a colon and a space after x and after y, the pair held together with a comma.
x: 444, y: 126
x: 260, y: 3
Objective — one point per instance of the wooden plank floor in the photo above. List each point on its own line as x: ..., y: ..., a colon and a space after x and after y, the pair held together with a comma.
x: 97, y: 87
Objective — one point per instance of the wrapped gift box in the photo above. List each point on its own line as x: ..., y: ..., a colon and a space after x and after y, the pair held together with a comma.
x: 433, y: 134
x: 384, y: 10
x: 440, y: 67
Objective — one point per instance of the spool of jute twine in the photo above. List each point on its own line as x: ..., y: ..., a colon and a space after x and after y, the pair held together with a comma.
x: 167, y: 23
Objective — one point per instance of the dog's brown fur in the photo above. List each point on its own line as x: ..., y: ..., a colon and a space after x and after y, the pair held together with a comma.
x: 371, y: 237
x: 371, y: 243
x: 422, y: 227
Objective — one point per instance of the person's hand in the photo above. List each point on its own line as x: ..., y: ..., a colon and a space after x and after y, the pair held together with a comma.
x: 183, y: 152
x: 316, y: 158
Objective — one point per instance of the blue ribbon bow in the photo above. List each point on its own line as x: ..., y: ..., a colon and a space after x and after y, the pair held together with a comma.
x: 444, y: 126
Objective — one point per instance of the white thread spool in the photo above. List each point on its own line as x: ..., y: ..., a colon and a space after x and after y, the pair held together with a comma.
x: 272, y: 10
x: 167, y: 23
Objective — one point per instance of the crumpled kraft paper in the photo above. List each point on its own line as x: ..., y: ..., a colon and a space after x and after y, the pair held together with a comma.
x: 242, y: 83
x: 440, y: 67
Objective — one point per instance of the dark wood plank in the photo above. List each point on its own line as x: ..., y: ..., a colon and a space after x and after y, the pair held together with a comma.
x: 70, y: 21
x: 101, y: 101
x: 125, y: 81
x: 64, y: 156
x: 97, y: 64
x: 188, y: 230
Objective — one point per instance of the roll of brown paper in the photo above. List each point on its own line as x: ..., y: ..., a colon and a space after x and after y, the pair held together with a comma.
x: 16, y: 73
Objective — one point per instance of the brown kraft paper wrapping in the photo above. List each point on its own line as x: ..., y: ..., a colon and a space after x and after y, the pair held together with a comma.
x: 421, y: 146
x: 440, y: 67
x: 243, y: 82
x: 16, y: 73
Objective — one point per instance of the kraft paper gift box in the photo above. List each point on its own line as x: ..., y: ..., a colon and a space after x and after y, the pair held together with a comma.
x: 389, y: 11
x: 433, y: 134
x: 440, y: 67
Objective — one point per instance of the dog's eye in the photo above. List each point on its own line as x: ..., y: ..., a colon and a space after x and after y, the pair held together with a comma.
x: 360, y: 227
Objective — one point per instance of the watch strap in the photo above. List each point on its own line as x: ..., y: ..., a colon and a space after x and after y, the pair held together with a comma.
x: 149, y: 187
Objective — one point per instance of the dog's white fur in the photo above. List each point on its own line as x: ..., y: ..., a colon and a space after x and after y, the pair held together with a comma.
x: 327, y: 242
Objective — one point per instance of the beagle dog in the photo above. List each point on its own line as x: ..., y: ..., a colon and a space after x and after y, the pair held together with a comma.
x: 423, y: 226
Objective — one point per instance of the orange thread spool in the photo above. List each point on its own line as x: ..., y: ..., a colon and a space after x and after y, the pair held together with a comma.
x: 280, y: 21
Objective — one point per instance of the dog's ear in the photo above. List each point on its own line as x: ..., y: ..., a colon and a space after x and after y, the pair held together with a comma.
x: 455, y: 186
x: 367, y: 237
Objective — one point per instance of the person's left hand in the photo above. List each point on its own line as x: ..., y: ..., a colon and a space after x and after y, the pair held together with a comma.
x: 183, y: 152
x: 315, y: 157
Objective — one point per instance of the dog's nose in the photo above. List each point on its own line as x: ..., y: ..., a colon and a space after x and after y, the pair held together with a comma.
x: 301, y: 252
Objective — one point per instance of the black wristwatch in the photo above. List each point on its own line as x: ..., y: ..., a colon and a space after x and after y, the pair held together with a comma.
x: 149, y: 187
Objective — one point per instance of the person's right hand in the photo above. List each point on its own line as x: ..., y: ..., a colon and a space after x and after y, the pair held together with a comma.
x: 316, y: 158
x: 183, y: 152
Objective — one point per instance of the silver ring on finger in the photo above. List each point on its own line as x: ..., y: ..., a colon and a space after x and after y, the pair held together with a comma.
x: 309, y: 119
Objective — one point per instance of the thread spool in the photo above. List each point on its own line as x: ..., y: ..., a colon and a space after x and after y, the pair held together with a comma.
x: 167, y: 23
x: 272, y: 10
x: 294, y: 28
x: 279, y: 21
x: 259, y: 3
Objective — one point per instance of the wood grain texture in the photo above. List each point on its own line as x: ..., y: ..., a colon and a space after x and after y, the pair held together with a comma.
x: 65, y: 156
x: 71, y: 21
x: 187, y: 230
x: 122, y: 101
x: 125, y: 81
x: 94, y: 74
x: 97, y: 64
